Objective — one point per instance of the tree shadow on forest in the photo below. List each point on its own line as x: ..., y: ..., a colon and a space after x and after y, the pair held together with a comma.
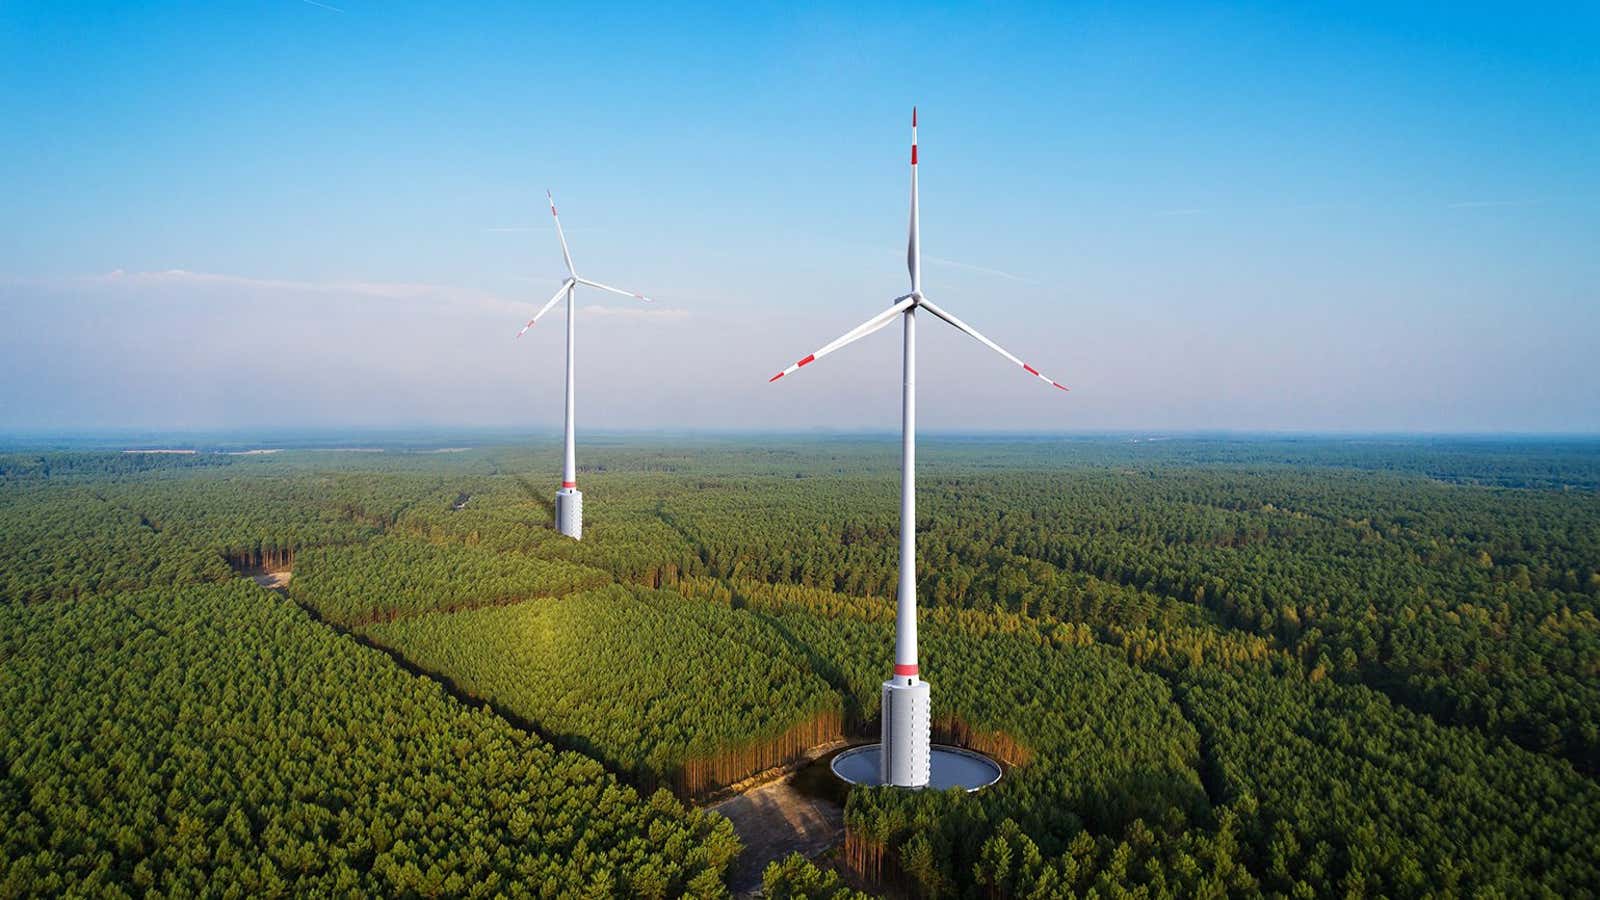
x: 854, y: 721
x: 1110, y: 802
x: 539, y: 497
x: 1208, y: 767
x: 694, y: 544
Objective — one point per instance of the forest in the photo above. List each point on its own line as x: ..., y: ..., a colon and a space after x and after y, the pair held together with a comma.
x: 1231, y: 666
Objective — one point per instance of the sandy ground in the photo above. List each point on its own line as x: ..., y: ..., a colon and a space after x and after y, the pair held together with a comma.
x: 276, y: 581
x: 774, y: 820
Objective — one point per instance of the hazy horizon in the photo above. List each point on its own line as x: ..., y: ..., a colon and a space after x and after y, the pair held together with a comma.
x: 1371, y: 220
x: 312, y: 438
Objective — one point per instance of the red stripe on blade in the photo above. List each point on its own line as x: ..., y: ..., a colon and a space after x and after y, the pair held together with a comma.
x: 1031, y: 369
x: 905, y: 670
x: 913, y: 154
x: 810, y: 359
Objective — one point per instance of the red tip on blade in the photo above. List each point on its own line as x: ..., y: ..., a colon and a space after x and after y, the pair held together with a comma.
x: 774, y: 378
x: 913, y: 117
x: 1062, y: 386
x: 1031, y: 369
x: 810, y: 359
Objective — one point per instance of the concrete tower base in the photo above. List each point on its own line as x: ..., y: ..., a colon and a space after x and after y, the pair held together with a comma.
x: 569, y: 513
x: 906, y: 736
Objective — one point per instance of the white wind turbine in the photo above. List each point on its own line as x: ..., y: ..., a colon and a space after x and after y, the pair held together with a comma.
x: 569, y: 500
x: 904, y: 755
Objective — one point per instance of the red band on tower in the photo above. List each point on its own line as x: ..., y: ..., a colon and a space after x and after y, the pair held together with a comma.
x: 905, y: 670
x: 569, y: 484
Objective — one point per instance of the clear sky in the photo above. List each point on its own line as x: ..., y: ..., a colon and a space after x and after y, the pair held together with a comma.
x: 1199, y: 216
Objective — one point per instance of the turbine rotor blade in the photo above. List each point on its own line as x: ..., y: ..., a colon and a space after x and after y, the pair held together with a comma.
x: 607, y: 287
x: 565, y: 286
x: 871, y: 325
x: 973, y: 333
x: 562, y: 235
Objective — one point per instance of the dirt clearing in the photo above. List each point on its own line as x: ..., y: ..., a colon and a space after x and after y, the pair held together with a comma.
x: 273, y: 581
x: 775, y: 820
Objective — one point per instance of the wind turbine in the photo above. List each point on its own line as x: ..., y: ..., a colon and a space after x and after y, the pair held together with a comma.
x: 904, y: 754
x: 569, y: 500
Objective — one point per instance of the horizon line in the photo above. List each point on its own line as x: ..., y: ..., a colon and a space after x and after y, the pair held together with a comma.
x: 438, y: 431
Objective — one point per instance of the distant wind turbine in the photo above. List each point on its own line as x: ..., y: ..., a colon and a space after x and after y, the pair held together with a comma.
x: 569, y: 500
x: 904, y: 755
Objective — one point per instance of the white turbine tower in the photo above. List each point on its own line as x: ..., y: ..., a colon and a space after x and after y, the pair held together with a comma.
x: 569, y: 500
x: 904, y: 755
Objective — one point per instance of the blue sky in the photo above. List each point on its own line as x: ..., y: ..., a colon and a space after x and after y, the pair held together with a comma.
x: 1362, y: 217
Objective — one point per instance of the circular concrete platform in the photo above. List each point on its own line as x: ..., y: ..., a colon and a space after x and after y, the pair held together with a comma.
x: 949, y: 767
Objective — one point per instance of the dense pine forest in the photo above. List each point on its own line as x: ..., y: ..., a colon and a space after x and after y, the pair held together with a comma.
x: 1213, y: 666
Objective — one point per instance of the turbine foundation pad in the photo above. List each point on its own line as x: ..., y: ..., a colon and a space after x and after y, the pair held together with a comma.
x: 949, y: 767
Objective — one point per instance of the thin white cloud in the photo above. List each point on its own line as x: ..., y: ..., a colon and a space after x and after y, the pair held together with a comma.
x: 635, y: 312
x: 939, y: 260
x: 389, y: 290
x: 323, y: 5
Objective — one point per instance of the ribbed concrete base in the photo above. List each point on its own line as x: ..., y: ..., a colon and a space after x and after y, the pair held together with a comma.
x: 906, y: 739
x: 569, y: 513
